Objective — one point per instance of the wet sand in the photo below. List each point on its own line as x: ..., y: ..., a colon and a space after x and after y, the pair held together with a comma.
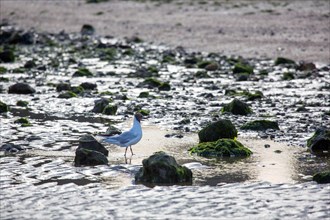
x: 295, y: 29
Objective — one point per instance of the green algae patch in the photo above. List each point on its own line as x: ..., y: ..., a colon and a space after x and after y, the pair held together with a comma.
x: 322, y: 177
x: 242, y: 68
x: 260, y: 125
x: 144, y: 112
x: 237, y: 107
x: 221, y: 148
x: 82, y: 72
x: 217, y: 130
x: 110, y: 110
x: 67, y: 95
x: 22, y: 103
x: 3, y: 70
x: 23, y: 121
x: 3, y: 107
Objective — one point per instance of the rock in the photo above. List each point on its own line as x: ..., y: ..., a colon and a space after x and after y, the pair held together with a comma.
x: 319, y: 143
x: 23, y: 121
x: 253, y: 96
x: 82, y: 72
x: 305, y: 66
x: 87, y: 29
x: 63, y: 87
x: 217, y: 130
x: 7, y: 56
x: 30, y: 64
x: 11, y: 148
x: 21, y: 88
x: 237, y: 107
x: 212, y: 67
x: 221, y: 148
x: 3, y: 107
x: 88, y: 85
x: 164, y: 87
x: 152, y: 83
x: 143, y: 95
x: 90, y: 143
x: 110, y: 110
x: 67, y: 95
x: 283, y: 60
x: 260, y: 125
x: 242, y: 68
x: 77, y: 90
x: 322, y: 177
x: 144, y: 73
x: 161, y: 168
x: 112, y: 130
x: 100, y: 104
x: 288, y: 76
x: 144, y: 112
x: 22, y: 103
x: 85, y: 157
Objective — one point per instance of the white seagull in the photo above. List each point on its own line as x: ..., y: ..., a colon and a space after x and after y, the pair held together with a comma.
x: 128, y: 138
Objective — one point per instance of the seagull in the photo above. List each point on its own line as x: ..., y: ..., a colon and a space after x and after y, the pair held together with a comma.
x: 130, y: 137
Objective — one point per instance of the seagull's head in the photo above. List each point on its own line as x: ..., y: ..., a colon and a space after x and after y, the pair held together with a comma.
x: 138, y: 116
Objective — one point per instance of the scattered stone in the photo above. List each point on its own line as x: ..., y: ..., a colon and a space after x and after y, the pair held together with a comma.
x: 21, y: 88
x: 90, y: 143
x: 100, y: 104
x: 11, y: 148
x: 322, y: 177
x: 7, y: 56
x: 277, y: 151
x: 22, y: 103
x: 237, y: 107
x: 110, y: 110
x: 77, y: 90
x: 30, y: 64
x: 82, y: 72
x: 152, y: 83
x: 143, y: 95
x: 67, y: 95
x: 3, y: 107
x: 283, y: 60
x: 260, y: 125
x: 63, y: 87
x: 217, y: 130
x: 88, y: 85
x: 212, y: 67
x: 87, y: 29
x: 23, y: 121
x: 242, y: 68
x: 112, y: 130
x: 305, y: 66
x: 319, y: 143
x: 288, y: 76
x: 221, y: 148
x: 267, y: 146
x: 161, y: 168
x: 85, y: 157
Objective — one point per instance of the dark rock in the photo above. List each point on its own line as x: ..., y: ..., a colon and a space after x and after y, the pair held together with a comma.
x: 110, y: 110
x: 260, y: 125
x: 21, y: 88
x: 22, y: 103
x: 243, y: 68
x: 7, y: 56
x: 67, y: 95
x: 87, y: 29
x: 63, y: 87
x: 90, y: 143
x: 112, y: 130
x: 152, y: 83
x: 3, y: 107
x: 283, y: 60
x: 143, y: 95
x: 322, y: 177
x: 221, y: 148
x: 212, y: 67
x: 217, y: 130
x: 164, y: 87
x: 288, y: 76
x: 30, y: 64
x: 77, y: 89
x: 88, y: 85
x: 100, y: 104
x: 319, y: 143
x: 82, y: 72
x: 237, y: 107
x: 161, y: 168
x: 11, y: 148
x: 305, y: 66
x: 85, y: 157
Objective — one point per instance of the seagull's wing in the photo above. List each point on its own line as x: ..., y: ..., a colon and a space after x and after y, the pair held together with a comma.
x: 121, y: 139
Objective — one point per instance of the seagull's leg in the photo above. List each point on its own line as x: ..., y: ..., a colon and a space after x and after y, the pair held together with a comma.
x: 131, y: 149
x: 125, y: 151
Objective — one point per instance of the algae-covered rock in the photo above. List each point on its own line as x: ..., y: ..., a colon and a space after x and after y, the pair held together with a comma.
x: 143, y: 95
x: 100, y: 104
x: 161, y: 168
x: 243, y: 68
x: 21, y: 88
x: 87, y: 29
x: 144, y: 112
x: 63, y: 87
x: 85, y: 157
x: 217, y: 130
x: 82, y: 72
x: 319, y: 143
x: 22, y: 103
x: 322, y: 177
x: 165, y: 86
x: 283, y: 60
x: 7, y: 56
x: 67, y: 95
x: 288, y: 76
x: 3, y: 107
x: 89, y: 142
x: 260, y: 125
x: 152, y: 83
x: 112, y: 130
x: 110, y: 110
x: 88, y: 85
x: 23, y: 121
x: 237, y: 107
x: 221, y: 148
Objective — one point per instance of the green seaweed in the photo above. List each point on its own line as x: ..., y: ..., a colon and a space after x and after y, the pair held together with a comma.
x: 260, y: 125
